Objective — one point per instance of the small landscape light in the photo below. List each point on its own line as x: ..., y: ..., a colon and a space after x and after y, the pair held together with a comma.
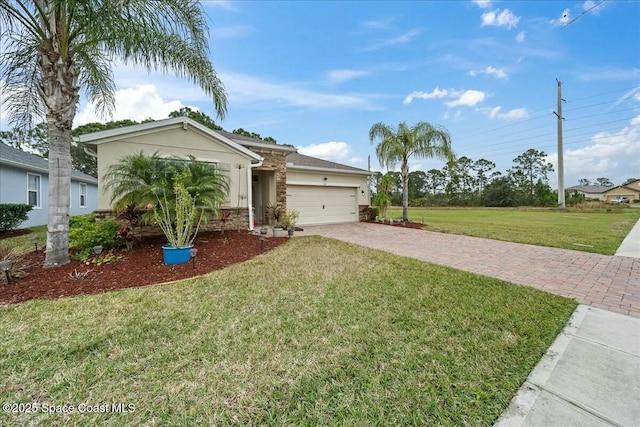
x: 6, y: 266
x: 97, y: 250
x: 35, y: 240
x: 193, y: 252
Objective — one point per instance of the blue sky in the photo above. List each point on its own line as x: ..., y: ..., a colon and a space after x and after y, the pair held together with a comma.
x: 318, y: 74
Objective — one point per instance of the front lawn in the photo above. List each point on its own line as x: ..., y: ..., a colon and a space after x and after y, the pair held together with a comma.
x: 315, y: 332
x: 598, y: 230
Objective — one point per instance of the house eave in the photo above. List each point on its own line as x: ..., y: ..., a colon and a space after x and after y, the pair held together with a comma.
x: 24, y: 166
x: 43, y: 170
x: 329, y: 170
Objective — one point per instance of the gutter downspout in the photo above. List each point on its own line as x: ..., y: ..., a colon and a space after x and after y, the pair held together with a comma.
x: 89, y: 152
x: 249, y: 190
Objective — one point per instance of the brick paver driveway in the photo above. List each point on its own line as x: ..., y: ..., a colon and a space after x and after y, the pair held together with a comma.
x: 608, y: 282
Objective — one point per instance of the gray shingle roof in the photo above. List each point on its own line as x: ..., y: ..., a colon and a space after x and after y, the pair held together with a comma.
x: 10, y: 155
x: 247, y: 141
x: 593, y: 189
x: 298, y: 159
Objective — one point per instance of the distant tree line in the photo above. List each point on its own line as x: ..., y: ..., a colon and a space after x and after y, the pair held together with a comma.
x: 467, y: 182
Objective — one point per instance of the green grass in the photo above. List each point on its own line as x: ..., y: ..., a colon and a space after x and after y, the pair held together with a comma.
x: 598, y: 231
x: 315, y: 332
x: 24, y: 242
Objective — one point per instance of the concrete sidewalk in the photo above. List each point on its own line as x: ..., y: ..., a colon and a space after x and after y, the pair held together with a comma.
x: 590, y: 376
x: 630, y: 246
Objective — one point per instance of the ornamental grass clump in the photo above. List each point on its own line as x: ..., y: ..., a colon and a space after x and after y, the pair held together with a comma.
x: 180, y: 218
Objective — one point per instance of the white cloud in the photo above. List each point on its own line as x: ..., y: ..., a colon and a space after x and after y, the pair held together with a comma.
x: 500, y: 19
x: 604, y: 73
x: 436, y: 93
x: 498, y: 73
x: 333, y: 151
x: 484, y: 4
x: 593, y: 7
x: 520, y: 37
x: 456, y: 116
x: 341, y: 76
x: 468, y: 98
x: 403, y: 38
x: 564, y: 19
x: 381, y: 24
x: 254, y: 92
x: 223, y: 4
x: 605, y: 154
x: 631, y: 94
x: 232, y: 32
x: 494, y: 113
x: 138, y: 103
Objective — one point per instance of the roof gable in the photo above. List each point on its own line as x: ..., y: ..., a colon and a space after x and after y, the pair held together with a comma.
x: 110, y: 135
x: 633, y: 186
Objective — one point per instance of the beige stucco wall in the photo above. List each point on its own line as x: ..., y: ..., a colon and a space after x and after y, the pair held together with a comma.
x: 175, y: 140
x: 631, y: 190
x: 336, y: 179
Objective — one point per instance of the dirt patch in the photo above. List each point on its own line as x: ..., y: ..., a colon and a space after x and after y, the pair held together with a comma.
x: 140, y: 266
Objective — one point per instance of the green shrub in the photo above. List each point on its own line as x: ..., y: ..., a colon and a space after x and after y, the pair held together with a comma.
x: 372, y: 212
x: 13, y: 214
x: 85, y: 232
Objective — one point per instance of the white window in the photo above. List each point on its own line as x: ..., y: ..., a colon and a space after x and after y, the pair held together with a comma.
x: 83, y: 195
x: 33, y: 190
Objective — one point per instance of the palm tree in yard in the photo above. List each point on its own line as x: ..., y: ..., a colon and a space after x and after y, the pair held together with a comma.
x: 54, y: 48
x: 423, y: 140
x: 139, y: 180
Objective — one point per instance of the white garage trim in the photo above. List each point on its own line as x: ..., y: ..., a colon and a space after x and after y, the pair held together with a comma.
x: 320, y: 204
x: 323, y: 184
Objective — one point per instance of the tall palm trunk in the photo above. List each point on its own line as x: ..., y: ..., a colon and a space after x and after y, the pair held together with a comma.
x: 405, y: 190
x: 60, y: 93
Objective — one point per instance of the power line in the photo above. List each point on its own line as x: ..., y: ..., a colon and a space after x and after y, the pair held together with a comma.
x: 582, y: 14
x: 602, y: 94
x: 601, y: 114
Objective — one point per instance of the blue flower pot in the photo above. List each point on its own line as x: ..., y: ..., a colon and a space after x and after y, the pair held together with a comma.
x: 174, y: 256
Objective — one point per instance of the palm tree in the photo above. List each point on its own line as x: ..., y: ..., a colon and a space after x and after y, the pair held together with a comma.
x: 55, y: 48
x: 382, y: 199
x: 423, y: 140
x: 139, y: 180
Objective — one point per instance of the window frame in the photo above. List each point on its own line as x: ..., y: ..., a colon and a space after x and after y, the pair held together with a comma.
x: 37, y: 191
x: 82, y: 195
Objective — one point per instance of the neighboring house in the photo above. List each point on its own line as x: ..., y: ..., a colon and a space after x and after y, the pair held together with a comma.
x: 261, y: 174
x: 590, y: 191
x: 630, y: 190
x: 24, y: 178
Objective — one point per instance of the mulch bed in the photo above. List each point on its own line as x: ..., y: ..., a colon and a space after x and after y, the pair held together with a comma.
x: 14, y: 233
x: 405, y: 224
x: 140, y: 266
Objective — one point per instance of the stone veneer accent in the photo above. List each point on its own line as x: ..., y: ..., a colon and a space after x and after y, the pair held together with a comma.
x: 276, y: 161
x: 231, y: 221
x: 363, y: 212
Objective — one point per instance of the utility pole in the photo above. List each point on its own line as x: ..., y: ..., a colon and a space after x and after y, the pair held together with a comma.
x: 561, y: 204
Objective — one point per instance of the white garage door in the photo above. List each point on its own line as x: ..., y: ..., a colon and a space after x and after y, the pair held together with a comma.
x: 322, y: 205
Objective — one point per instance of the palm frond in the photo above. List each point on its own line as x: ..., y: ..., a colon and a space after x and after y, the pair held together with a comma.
x: 96, y: 78
x: 21, y: 78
